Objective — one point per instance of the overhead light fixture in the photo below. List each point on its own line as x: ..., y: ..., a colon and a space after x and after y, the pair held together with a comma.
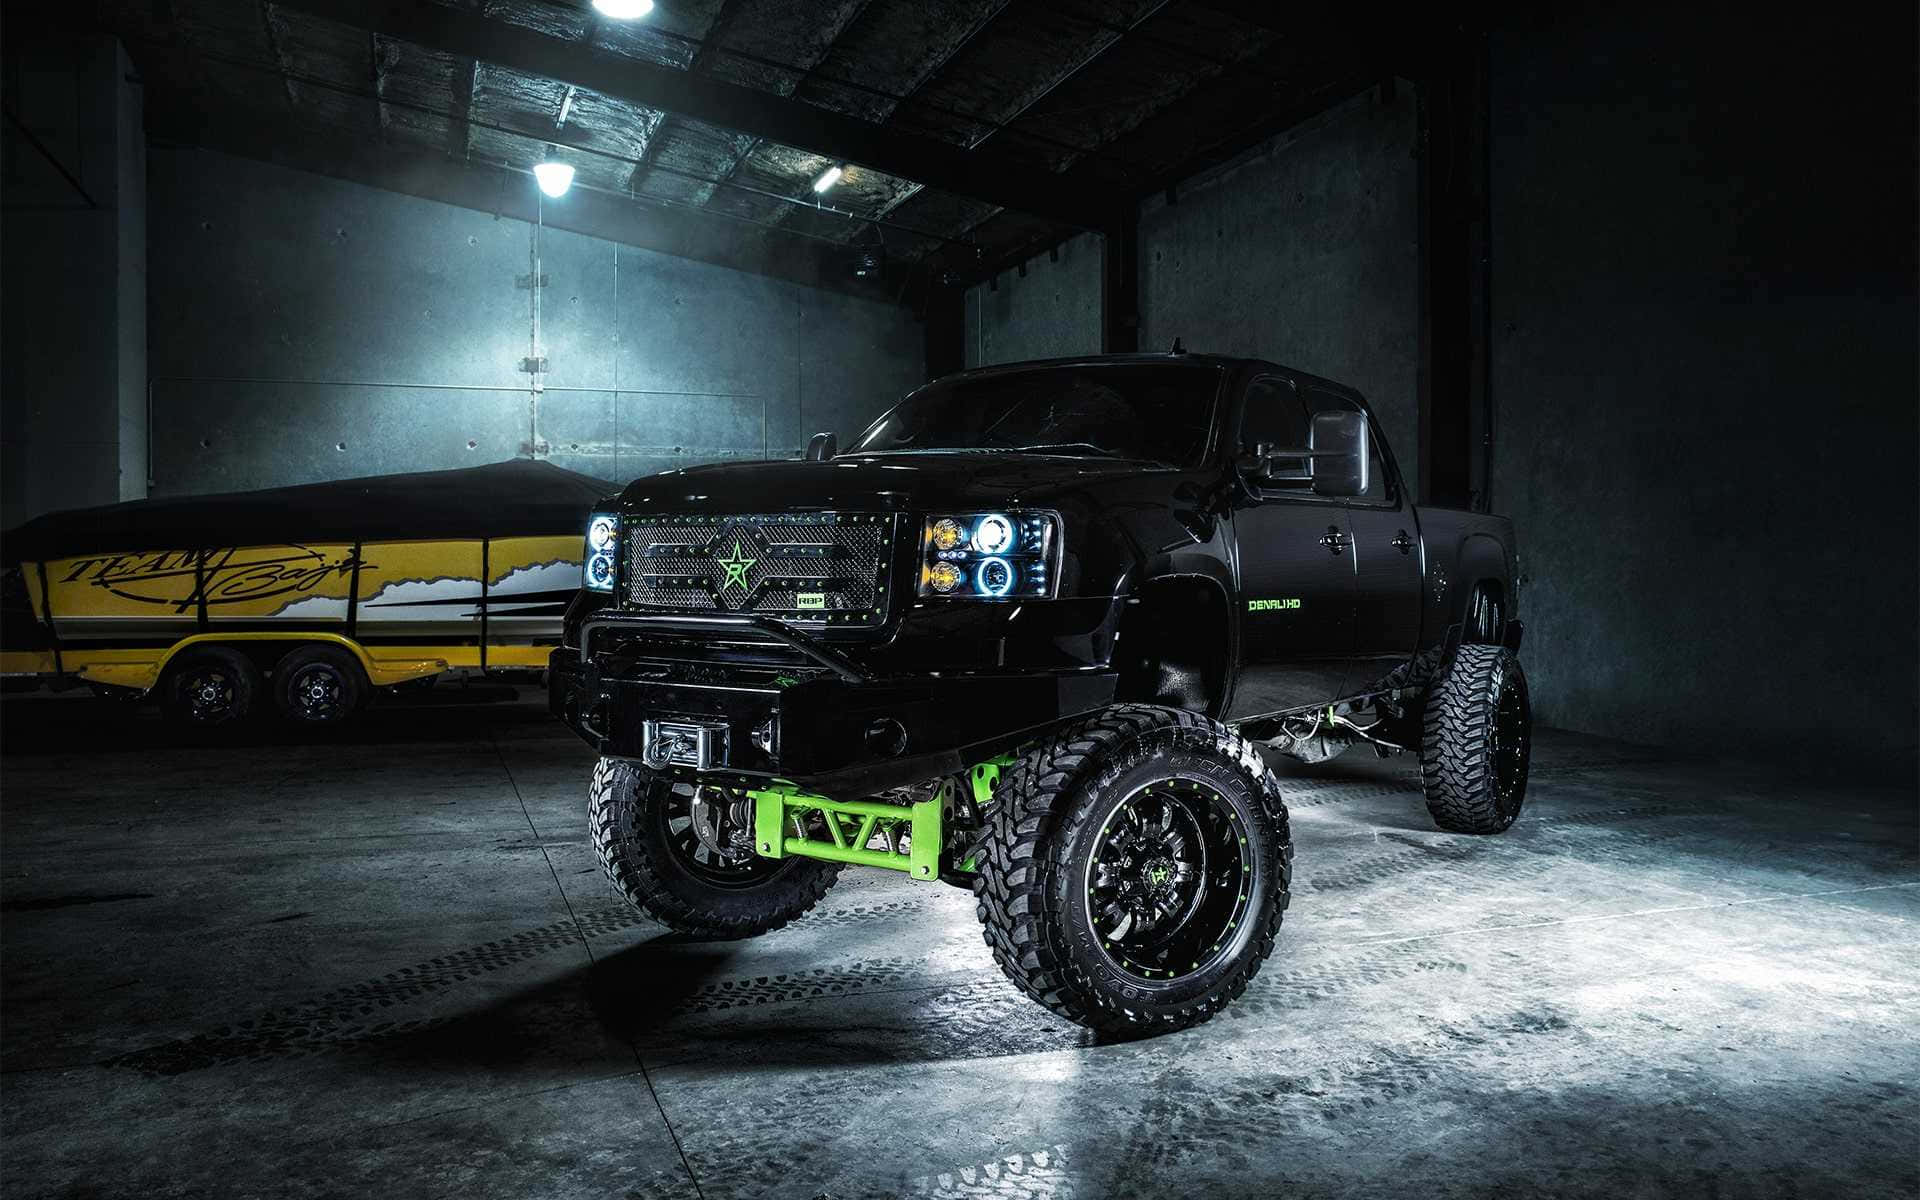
x: 623, y: 10
x: 554, y: 178
x: 828, y: 178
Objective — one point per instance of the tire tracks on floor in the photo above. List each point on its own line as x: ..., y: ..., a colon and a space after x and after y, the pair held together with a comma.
x: 353, y: 1013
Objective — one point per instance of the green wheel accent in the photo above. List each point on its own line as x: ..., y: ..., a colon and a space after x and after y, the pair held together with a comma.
x: 1167, y: 876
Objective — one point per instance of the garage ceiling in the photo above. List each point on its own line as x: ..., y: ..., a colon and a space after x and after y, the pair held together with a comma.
x: 974, y: 132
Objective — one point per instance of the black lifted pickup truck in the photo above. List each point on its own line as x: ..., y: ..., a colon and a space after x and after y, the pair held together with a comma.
x: 1028, y: 634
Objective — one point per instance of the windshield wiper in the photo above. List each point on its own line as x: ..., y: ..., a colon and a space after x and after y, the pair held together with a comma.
x: 1065, y: 448
x: 1049, y: 447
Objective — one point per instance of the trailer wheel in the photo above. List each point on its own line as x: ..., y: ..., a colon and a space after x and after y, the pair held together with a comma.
x: 684, y: 856
x: 1134, y: 876
x: 319, y: 685
x: 209, y: 686
x: 1475, y: 741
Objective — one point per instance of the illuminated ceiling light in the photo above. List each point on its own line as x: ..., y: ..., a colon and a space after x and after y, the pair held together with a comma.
x: 554, y: 178
x: 828, y: 178
x: 623, y: 10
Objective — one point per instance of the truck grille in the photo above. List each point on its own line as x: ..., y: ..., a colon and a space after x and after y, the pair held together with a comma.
x: 826, y: 567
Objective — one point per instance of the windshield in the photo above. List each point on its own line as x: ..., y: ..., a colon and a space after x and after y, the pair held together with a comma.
x: 1158, y: 412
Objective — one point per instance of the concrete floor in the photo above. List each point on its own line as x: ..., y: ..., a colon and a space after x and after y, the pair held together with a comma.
x: 388, y: 966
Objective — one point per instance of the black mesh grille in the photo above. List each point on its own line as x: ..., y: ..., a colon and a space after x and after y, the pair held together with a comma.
x: 824, y: 567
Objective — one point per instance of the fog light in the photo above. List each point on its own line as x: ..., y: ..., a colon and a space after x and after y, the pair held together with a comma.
x: 766, y: 737
x: 887, y: 736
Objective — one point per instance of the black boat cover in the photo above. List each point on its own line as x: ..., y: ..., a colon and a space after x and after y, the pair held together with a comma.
x: 517, y: 498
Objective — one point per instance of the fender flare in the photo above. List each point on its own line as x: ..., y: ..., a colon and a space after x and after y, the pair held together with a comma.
x: 1132, y: 590
x: 1482, y: 560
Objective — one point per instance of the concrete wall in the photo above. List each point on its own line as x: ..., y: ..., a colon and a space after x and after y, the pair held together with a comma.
x: 1303, y: 251
x: 305, y: 328
x: 1051, y: 312
x: 73, y: 289
x: 1704, y: 370
x: 1704, y: 366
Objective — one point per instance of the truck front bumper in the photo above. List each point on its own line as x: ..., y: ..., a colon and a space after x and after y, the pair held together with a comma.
x: 826, y: 725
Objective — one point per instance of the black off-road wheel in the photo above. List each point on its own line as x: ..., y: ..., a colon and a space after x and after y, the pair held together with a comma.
x: 1135, y: 870
x: 319, y: 686
x: 1476, y: 740
x: 210, y: 687
x: 684, y: 856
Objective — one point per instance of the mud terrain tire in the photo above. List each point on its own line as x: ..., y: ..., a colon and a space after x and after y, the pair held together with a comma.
x: 1476, y: 740
x: 1138, y: 810
x: 634, y: 818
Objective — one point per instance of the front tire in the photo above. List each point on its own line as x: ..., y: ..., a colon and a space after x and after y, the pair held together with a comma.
x: 1476, y: 741
x: 1134, y: 874
x: 700, y: 880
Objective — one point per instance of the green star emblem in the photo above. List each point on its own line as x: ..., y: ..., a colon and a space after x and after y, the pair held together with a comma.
x: 736, y: 567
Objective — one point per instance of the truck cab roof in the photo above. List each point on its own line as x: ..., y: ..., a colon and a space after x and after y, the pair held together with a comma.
x: 1232, y: 364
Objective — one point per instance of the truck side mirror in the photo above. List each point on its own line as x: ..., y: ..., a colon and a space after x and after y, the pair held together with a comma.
x: 1339, y: 446
x: 822, y: 446
x: 1273, y: 467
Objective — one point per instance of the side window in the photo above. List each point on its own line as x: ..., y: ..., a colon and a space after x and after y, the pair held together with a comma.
x: 1274, y: 414
x: 1378, y: 490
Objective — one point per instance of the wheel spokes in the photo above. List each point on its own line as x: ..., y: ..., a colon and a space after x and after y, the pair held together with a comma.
x: 1154, y: 896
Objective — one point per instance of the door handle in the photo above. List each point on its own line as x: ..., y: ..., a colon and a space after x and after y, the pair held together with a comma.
x: 1402, y: 542
x: 1333, y: 539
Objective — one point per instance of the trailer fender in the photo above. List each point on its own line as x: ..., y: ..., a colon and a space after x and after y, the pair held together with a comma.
x: 143, y: 669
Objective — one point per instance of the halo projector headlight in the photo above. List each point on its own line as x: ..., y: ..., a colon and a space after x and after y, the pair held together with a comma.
x: 993, y: 534
x: 600, y: 533
x: 1006, y: 555
x: 603, y: 542
x: 994, y: 577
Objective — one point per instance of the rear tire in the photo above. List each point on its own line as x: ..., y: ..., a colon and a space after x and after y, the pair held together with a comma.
x: 642, y: 829
x: 1476, y: 741
x: 1135, y: 869
x: 319, y: 686
x: 210, y: 687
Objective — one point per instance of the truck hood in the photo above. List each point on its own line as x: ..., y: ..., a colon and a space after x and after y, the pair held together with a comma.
x: 886, y: 481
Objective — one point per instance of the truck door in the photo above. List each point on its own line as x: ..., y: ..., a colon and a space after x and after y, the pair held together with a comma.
x: 1387, y: 554
x: 1294, y: 566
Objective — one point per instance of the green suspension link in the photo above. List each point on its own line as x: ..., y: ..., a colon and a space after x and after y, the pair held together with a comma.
x: 783, y: 824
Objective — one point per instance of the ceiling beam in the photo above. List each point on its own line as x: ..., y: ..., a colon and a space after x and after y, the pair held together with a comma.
x: 502, y: 192
x: 987, y: 175
x: 1098, y: 50
x: 698, y: 60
